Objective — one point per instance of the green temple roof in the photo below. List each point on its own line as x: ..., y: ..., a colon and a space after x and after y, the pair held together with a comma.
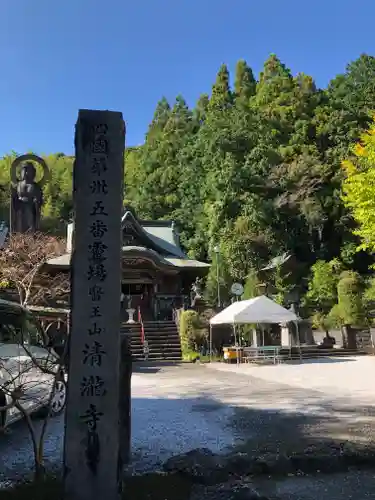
x: 64, y: 260
x: 157, y: 239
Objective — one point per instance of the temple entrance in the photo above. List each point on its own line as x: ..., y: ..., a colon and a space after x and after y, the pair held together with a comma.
x: 139, y: 296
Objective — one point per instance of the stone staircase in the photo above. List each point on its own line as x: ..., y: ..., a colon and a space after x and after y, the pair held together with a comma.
x: 364, y: 341
x: 163, y: 340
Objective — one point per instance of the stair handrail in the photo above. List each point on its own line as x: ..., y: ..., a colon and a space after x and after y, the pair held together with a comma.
x: 176, y: 312
x: 140, y: 321
x: 144, y: 342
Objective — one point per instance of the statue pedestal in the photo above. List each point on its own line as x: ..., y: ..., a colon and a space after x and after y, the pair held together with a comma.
x: 131, y: 315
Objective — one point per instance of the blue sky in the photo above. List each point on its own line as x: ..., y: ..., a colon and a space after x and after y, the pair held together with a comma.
x: 59, y: 56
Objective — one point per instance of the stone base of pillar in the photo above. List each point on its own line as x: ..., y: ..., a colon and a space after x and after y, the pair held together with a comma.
x: 131, y: 315
x: 257, y: 340
x: 285, y: 336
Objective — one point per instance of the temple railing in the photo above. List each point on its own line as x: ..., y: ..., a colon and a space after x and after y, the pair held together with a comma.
x: 140, y: 321
x: 144, y: 341
x: 177, y: 314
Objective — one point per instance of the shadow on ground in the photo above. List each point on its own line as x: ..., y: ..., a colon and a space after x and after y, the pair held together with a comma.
x: 319, y: 361
x: 326, y: 428
x: 153, y: 366
x: 267, y: 444
x: 300, y: 430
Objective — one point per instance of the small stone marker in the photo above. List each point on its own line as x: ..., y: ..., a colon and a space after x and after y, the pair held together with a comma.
x: 92, y: 467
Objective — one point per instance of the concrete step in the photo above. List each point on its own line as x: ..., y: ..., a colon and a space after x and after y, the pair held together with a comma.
x: 150, y: 326
x: 162, y: 336
x: 322, y: 353
x: 162, y: 333
x: 161, y: 345
x: 162, y: 350
x: 159, y: 348
x: 154, y: 331
x: 167, y: 342
x: 331, y: 355
x: 159, y: 323
x: 143, y: 360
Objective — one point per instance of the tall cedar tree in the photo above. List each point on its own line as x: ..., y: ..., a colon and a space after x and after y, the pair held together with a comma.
x: 255, y: 169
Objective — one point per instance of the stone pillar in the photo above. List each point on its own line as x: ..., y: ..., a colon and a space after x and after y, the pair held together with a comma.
x: 69, y: 237
x: 285, y: 336
x: 255, y: 338
x: 92, y: 464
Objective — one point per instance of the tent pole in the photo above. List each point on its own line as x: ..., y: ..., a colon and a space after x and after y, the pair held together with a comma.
x: 239, y: 342
x: 235, y: 341
x: 299, y: 341
x: 210, y: 343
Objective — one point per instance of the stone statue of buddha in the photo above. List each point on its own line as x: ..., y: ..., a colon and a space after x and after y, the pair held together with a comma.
x: 27, y: 196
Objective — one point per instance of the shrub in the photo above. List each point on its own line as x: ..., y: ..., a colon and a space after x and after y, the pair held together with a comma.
x: 252, y: 284
x: 190, y: 331
x: 335, y: 318
x: 190, y: 356
x: 322, y: 292
x: 350, y: 308
x: 323, y: 321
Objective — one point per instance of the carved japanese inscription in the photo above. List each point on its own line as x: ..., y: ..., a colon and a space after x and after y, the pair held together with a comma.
x: 92, y: 416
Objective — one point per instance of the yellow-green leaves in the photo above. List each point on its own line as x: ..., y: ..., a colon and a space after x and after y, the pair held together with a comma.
x: 358, y: 188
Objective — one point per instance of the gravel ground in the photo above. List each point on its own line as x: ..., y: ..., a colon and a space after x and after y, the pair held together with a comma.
x: 349, y: 486
x: 351, y: 377
x: 179, y: 408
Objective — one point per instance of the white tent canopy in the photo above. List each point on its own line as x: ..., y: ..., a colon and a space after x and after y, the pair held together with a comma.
x: 257, y: 310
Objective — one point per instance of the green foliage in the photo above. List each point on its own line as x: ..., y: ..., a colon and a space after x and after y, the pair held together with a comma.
x: 348, y: 253
x: 335, y: 318
x: 218, y: 281
x: 255, y: 169
x: 245, y: 84
x: 221, y: 96
x: 190, y: 356
x: 322, y: 288
x: 324, y: 322
x: 359, y: 188
x: 58, y: 203
x: 350, y: 308
x: 243, y: 248
x: 251, y: 288
x: 282, y: 285
x: 190, y: 331
x: 369, y: 293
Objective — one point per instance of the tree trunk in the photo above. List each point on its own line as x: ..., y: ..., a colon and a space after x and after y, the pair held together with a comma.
x: 349, y: 337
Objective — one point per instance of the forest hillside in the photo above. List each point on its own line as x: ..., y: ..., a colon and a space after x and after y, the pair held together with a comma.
x: 255, y: 168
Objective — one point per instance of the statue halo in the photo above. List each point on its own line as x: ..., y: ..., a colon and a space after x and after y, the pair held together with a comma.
x: 29, y: 157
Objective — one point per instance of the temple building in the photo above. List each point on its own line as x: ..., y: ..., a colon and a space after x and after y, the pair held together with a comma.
x: 157, y: 274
